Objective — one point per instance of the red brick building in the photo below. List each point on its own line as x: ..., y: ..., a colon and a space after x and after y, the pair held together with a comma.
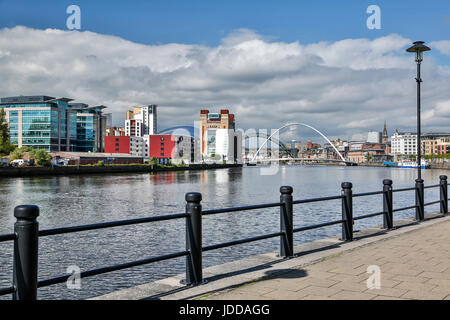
x: 162, y: 146
x: 117, y: 144
x: 134, y: 146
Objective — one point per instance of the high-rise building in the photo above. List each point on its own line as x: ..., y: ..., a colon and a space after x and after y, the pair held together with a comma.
x: 218, y: 137
x: 41, y: 122
x: 54, y: 124
x: 108, y: 119
x: 91, y: 127
x: 141, y: 121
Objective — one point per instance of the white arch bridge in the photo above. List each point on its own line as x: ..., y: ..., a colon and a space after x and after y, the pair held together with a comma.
x: 303, y: 159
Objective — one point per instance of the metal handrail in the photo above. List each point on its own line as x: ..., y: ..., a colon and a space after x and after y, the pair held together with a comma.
x: 88, y: 227
x: 246, y: 240
x: 405, y: 208
x: 404, y: 189
x: 367, y: 194
x: 317, y: 199
x: 433, y: 202
x: 316, y: 226
x: 370, y: 215
x: 7, y: 237
x: 245, y: 208
x: 193, y: 217
x: 94, y: 272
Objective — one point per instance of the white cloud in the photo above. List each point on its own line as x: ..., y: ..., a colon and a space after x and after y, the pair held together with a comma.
x: 442, y: 46
x: 342, y: 88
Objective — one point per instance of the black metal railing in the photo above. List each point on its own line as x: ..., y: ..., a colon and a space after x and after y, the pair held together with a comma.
x: 26, y: 232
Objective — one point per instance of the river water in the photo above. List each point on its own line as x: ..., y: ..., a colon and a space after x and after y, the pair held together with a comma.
x: 84, y: 199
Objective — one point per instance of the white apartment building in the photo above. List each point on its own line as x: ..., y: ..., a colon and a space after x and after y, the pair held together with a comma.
x: 404, y: 143
x: 137, y: 146
x: 142, y: 121
x: 225, y: 143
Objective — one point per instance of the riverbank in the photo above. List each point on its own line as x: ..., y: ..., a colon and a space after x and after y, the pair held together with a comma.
x: 106, y: 169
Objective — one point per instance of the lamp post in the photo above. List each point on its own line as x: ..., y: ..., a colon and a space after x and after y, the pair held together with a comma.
x: 418, y: 48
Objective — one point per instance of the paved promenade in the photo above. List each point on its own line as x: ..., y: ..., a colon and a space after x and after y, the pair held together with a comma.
x: 414, y: 262
x: 414, y: 265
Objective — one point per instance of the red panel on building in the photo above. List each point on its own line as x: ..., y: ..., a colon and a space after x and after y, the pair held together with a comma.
x: 115, y: 144
x: 162, y: 146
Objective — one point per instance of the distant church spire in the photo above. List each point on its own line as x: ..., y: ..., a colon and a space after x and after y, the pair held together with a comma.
x: 385, y: 137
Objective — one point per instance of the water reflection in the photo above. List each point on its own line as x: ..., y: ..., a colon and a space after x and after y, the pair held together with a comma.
x: 83, y: 199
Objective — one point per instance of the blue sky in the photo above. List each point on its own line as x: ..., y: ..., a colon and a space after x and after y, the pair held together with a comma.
x: 206, y: 22
x: 314, y: 60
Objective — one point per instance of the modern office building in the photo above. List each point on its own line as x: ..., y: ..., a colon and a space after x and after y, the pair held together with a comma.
x: 108, y: 119
x: 41, y: 122
x: 51, y: 124
x: 91, y: 127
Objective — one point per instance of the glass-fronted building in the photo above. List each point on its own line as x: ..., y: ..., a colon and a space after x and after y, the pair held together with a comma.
x: 48, y: 123
x: 91, y: 127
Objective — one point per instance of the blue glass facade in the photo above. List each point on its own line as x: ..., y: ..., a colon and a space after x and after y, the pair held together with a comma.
x: 52, y: 124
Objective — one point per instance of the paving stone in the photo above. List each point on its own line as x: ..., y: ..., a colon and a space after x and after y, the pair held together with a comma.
x: 424, y: 295
x: 351, y: 295
x: 389, y: 292
x: 319, y: 291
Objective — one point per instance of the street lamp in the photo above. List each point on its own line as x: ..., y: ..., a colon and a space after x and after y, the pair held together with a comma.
x: 418, y: 48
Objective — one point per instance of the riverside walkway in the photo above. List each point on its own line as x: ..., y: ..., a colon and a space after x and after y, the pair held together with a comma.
x: 414, y: 262
x: 413, y: 265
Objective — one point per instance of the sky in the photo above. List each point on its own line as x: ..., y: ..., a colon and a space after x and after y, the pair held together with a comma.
x: 269, y: 62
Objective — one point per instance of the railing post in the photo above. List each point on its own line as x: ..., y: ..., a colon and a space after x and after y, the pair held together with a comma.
x: 194, y: 273
x: 420, y: 215
x: 347, y: 211
x: 388, y: 218
x: 25, y: 265
x: 286, y: 222
x: 443, y: 194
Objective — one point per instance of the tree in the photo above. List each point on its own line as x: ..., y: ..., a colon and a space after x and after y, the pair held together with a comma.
x: 41, y: 157
x: 153, y: 161
x: 5, y: 145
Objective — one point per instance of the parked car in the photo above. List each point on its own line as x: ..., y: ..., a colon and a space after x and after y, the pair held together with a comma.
x: 17, y: 162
